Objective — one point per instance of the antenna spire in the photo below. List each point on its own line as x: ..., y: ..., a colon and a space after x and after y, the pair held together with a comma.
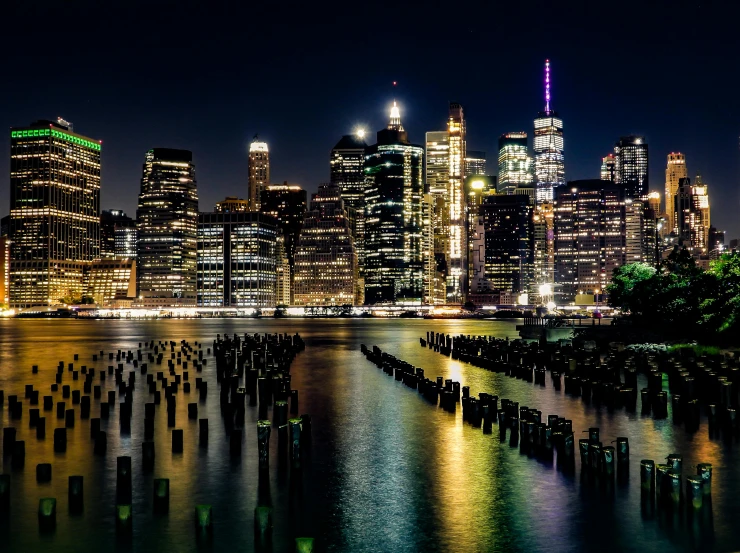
x: 547, y: 86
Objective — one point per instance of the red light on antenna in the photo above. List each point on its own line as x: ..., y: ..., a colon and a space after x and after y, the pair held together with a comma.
x: 394, y: 83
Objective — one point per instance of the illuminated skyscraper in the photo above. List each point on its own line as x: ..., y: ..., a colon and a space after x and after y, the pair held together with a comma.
x: 437, y: 174
x: 457, y: 253
x: 54, y: 212
x: 675, y: 171
x: 347, y: 172
x: 393, y: 217
x: 167, y: 219
x: 259, y: 171
x: 237, y: 259
x: 326, y: 260
x: 475, y: 163
x: 589, y: 236
x: 609, y: 168
x: 691, y: 205
x: 632, y: 166
x: 514, y: 162
x: 507, y: 224
x: 544, y: 245
x: 110, y: 221
x: 549, y: 167
x: 4, y: 261
x: 287, y: 203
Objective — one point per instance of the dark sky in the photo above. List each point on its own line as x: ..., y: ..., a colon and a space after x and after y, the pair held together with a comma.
x: 207, y: 77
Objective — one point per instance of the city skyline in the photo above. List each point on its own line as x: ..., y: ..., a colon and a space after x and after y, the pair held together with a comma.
x: 301, y: 127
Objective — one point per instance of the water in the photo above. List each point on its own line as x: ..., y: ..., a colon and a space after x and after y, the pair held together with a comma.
x: 388, y: 471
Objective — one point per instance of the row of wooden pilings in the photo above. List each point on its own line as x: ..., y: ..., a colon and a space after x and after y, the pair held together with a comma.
x: 600, y: 463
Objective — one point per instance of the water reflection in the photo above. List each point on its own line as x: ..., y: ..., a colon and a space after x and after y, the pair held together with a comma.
x: 386, y: 472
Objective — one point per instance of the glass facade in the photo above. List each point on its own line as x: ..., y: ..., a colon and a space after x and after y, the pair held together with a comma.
x: 125, y: 240
x: 632, y: 166
x: 457, y: 253
x: 509, y: 236
x: 347, y: 164
x: 514, y: 162
x: 393, y: 217
x: 590, y: 236
x: 691, y: 206
x: 326, y: 259
x: 167, y: 221
x: 54, y: 226
x: 549, y: 167
x: 475, y: 163
x: 237, y: 260
x: 259, y: 172
x: 675, y: 171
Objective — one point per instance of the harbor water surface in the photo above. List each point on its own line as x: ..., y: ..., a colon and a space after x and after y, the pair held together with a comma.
x: 386, y: 471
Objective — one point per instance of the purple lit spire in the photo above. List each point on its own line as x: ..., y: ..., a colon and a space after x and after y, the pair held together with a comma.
x: 547, y: 86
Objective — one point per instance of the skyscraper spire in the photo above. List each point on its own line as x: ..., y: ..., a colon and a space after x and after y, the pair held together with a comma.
x: 395, y: 123
x: 547, y: 86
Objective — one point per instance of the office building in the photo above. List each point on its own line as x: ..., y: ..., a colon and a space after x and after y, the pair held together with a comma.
x: 609, y: 168
x: 111, y: 282
x: 716, y: 242
x: 347, y: 163
x: 114, y: 223
x: 231, y: 204
x: 282, y: 267
x: 631, y: 153
x: 589, y: 234
x: 4, y: 261
x: 437, y: 175
x: 544, y: 246
x: 237, y: 260
x: 549, y: 166
x: 125, y: 240
x: 259, y: 171
x: 393, y: 217
x: 675, y: 171
x: 457, y: 252
x: 691, y: 206
x: 167, y: 221
x: 514, y: 162
x: 326, y: 259
x: 509, y: 241
x: 435, y: 287
x: 54, y: 212
x: 475, y: 163
x: 287, y: 203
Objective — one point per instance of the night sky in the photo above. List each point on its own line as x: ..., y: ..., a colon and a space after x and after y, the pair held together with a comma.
x: 209, y: 77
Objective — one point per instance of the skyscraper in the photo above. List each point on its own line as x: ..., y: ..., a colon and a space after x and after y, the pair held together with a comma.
x: 675, y: 171
x: 509, y: 255
x: 457, y: 253
x: 110, y: 220
x: 691, y: 206
x: 609, y: 168
x: 54, y: 212
x: 393, y: 217
x: 514, y: 162
x: 437, y: 175
x: 325, y: 260
x: 549, y: 167
x: 347, y: 164
x: 632, y: 165
x: 167, y: 220
x: 231, y: 204
x: 4, y: 261
x: 237, y: 259
x: 589, y: 236
x: 475, y: 163
x: 259, y: 171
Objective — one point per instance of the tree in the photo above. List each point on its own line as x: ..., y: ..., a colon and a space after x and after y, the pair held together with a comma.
x: 627, y: 289
x: 721, y: 307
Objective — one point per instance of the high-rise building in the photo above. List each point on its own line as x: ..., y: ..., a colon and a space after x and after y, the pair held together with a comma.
x: 237, y: 259
x: 54, y: 212
x: 437, y: 175
x: 675, y: 171
x: 457, y: 253
x: 326, y: 260
x: 435, y: 292
x: 126, y: 238
x: 632, y: 174
x: 475, y: 163
x: 287, y: 203
x: 111, y: 222
x: 509, y: 234
x: 609, y: 168
x: 514, y: 162
x: 231, y: 204
x: 347, y: 164
x: 259, y: 171
x: 544, y: 245
x: 590, y: 235
x: 691, y: 205
x: 549, y: 167
x: 167, y: 221
x: 4, y: 261
x: 716, y: 242
x: 393, y: 217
